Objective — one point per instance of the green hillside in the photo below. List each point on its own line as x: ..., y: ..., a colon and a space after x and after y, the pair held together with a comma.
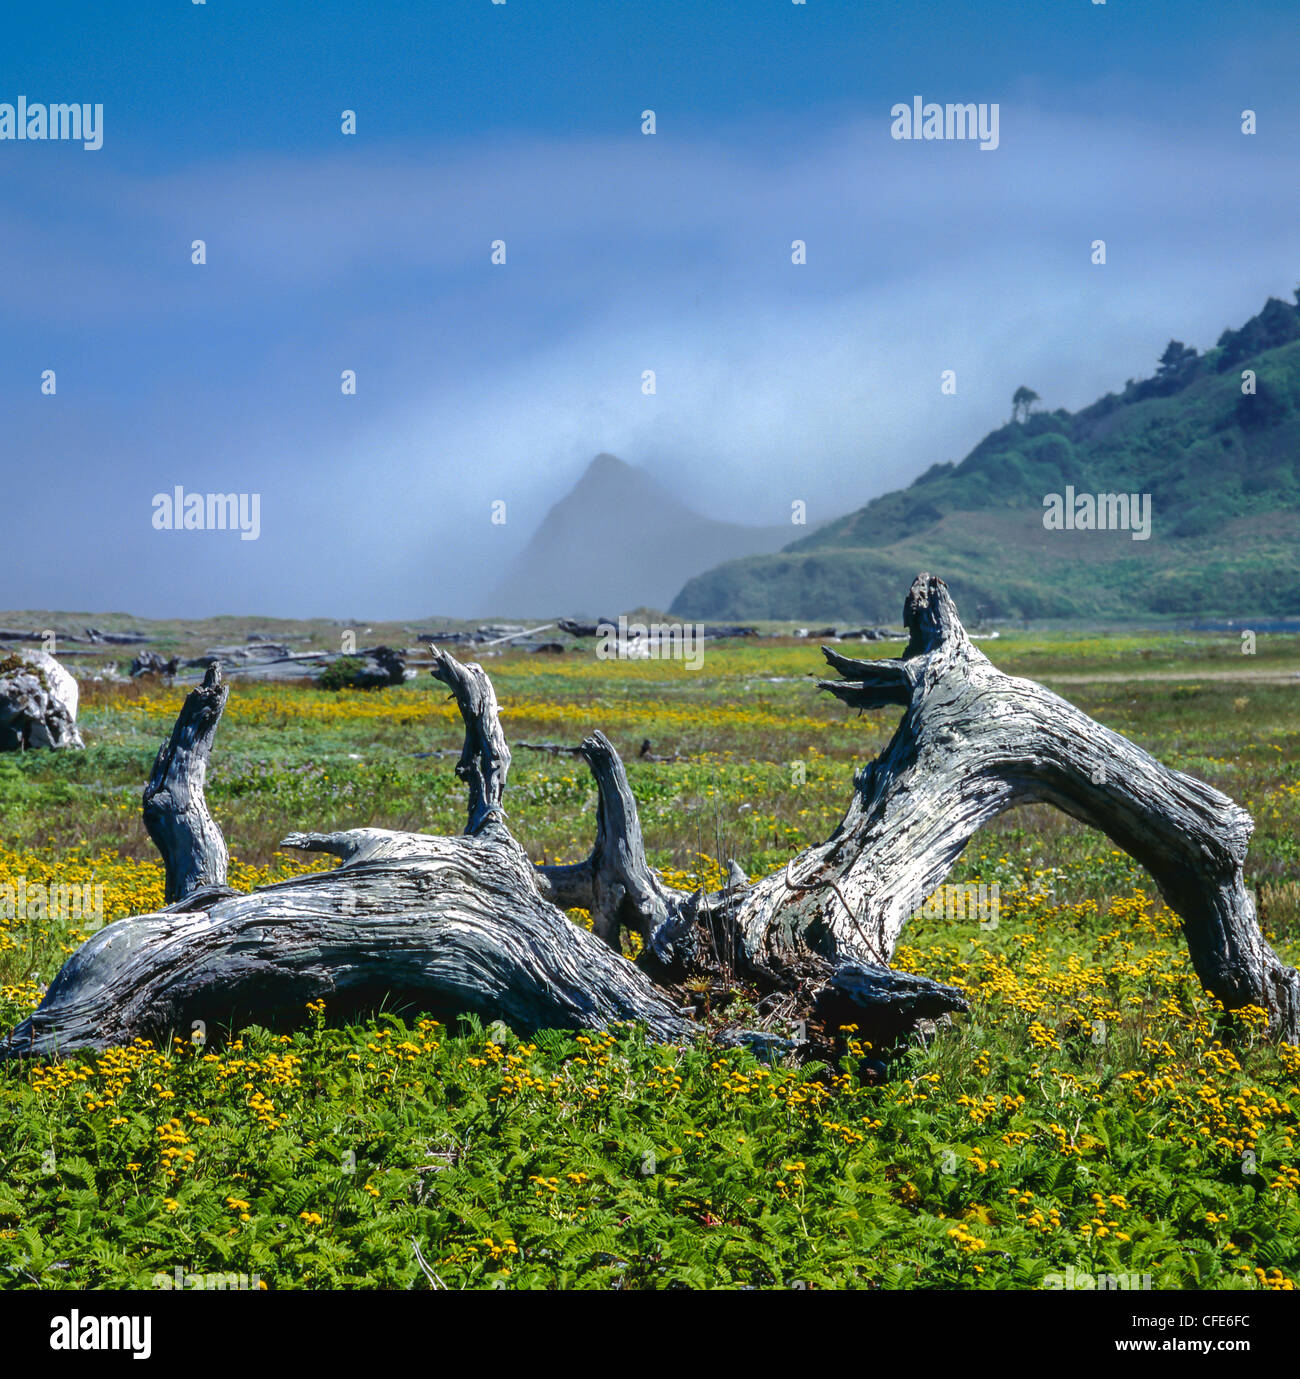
x: 1220, y: 466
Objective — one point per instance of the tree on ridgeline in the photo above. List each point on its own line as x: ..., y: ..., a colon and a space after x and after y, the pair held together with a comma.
x: 1175, y: 359
x: 1022, y: 403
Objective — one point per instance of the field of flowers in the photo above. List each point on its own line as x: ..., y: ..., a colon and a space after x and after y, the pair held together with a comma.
x: 1093, y: 1110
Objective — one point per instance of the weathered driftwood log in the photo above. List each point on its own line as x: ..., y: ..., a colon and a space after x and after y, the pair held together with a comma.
x: 576, y: 627
x: 374, y: 667
x: 153, y: 663
x: 449, y: 925
x: 38, y: 702
x: 117, y: 638
x: 555, y: 749
x: 603, y: 626
x: 454, y: 925
x: 175, y: 807
x: 974, y: 742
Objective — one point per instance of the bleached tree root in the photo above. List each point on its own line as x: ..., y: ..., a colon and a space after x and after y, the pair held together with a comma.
x: 457, y: 925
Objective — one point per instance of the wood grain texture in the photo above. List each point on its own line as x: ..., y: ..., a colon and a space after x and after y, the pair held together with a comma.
x: 974, y: 742
x: 468, y: 924
x: 175, y: 807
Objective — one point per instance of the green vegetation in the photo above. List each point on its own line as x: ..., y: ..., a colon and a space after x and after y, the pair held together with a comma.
x: 1092, y: 1110
x: 1220, y: 465
x: 342, y: 674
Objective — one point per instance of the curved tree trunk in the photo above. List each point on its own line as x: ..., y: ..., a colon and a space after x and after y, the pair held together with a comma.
x: 467, y: 924
x: 973, y: 743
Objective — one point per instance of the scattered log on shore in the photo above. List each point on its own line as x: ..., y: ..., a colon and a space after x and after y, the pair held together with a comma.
x: 152, y: 663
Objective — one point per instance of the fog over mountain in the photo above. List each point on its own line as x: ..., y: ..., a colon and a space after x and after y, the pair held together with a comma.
x: 1192, y: 474
x: 619, y: 540
x: 365, y: 261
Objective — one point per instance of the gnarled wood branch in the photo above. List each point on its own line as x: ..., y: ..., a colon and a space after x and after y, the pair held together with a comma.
x: 446, y: 925
x: 615, y: 883
x: 453, y: 925
x: 973, y: 743
x: 485, y: 759
x: 175, y: 809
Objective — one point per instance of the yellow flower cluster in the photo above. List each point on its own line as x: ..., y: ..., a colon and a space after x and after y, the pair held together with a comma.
x: 965, y: 1241
x: 269, y: 705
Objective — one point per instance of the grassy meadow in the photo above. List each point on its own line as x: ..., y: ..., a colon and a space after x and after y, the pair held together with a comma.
x: 1090, y: 1111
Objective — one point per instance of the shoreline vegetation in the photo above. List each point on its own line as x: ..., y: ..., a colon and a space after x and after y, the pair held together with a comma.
x: 1091, y: 1112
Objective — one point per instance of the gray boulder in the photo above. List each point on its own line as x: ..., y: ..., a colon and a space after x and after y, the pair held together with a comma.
x: 38, y: 702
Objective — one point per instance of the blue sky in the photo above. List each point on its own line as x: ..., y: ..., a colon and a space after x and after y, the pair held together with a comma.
x: 625, y: 252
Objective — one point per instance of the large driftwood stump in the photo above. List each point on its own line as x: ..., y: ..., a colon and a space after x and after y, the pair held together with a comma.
x: 468, y: 924
x: 973, y: 743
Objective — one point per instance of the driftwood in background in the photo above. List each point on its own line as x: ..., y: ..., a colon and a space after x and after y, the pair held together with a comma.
x: 374, y: 667
x: 93, y: 637
x: 468, y: 924
x: 153, y: 663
